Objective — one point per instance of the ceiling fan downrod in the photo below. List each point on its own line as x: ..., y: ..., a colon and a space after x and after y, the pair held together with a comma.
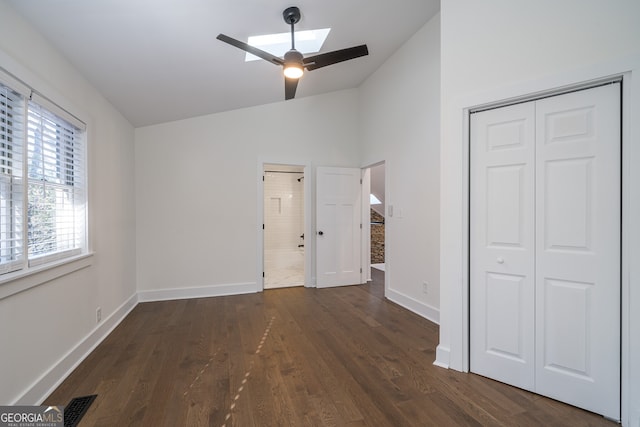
x: 291, y: 16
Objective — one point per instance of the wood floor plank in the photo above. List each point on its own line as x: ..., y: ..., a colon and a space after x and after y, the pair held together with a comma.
x: 317, y: 371
x: 292, y: 357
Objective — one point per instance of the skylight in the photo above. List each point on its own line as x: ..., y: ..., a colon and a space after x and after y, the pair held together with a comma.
x: 373, y: 200
x: 309, y: 41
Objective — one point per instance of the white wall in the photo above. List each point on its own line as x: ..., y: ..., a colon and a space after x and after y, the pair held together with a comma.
x: 197, y: 180
x: 44, y: 331
x: 400, y: 124
x: 502, y: 49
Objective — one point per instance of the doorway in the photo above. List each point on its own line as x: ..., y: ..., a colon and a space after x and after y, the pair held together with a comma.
x: 284, y: 226
x: 374, y: 226
x: 545, y: 234
x: 377, y: 211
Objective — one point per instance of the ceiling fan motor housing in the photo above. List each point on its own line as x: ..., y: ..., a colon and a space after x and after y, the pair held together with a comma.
x: 293, y: 56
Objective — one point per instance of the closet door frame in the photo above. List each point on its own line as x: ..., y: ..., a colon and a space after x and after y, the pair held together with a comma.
x: 574, y: 151
x: 554, y: 85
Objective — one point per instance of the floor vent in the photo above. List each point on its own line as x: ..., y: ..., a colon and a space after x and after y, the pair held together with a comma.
x: 76, y: 409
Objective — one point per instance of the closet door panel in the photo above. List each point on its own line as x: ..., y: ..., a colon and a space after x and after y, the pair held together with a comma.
x: 578, y: 184
x: 502, y: 252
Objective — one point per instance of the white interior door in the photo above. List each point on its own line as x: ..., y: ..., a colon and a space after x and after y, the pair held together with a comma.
x: 338, y: 213
x: 545, y: 247
x: 578, y: 248
x: 502, y: 244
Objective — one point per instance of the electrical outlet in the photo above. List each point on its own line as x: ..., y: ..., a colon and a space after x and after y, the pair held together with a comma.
x: 425, y: 287
x: 98, y: 315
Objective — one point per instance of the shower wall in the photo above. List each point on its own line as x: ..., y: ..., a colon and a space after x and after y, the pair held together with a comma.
x: 284, y: 210
x: 284, y: 226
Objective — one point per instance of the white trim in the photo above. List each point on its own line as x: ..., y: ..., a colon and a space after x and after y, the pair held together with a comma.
x: 32, y: 80
x: 630, y: 410
x: 365, y: 225
x: 197, y: 292
x: 259, y: 225
x: 13, y: 283
x: 45, y: 102
x: 412, y: 304
x: 51, y: 379
x: 14, y: 83
x: 443, y: 354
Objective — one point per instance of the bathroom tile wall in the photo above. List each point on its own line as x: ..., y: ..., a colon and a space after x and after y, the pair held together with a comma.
x: 283, y: 210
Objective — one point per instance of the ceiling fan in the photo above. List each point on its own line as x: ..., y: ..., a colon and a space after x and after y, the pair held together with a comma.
x: 294, y: 62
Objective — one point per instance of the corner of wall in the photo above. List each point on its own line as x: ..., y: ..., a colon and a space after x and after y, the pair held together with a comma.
x: 50, y: 380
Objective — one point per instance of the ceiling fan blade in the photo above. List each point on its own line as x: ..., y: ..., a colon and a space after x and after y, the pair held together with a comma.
x: 330, y: 58
x: 251, y: 49
x: 290, y: 86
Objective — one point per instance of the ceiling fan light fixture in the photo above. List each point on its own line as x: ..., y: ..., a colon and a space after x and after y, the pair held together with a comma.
x: 293, y: 71
x: 293, y: 66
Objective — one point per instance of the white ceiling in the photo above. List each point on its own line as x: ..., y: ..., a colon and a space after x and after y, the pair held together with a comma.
x: 159, y: 60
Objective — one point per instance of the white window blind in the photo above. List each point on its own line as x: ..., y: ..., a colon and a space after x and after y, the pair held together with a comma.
x: 56, y: 186
x: 12, y: 109
x: 42, y: 179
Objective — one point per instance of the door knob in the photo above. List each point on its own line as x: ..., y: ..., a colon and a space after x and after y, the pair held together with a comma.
x: 320, y: 233
x: 500, y: 260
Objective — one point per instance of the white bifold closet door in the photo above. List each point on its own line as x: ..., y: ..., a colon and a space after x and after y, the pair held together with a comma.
x: 545, y: 233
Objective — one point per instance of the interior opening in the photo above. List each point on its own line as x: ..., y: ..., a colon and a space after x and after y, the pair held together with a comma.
x: 284, y: 239
x: 377, y: 208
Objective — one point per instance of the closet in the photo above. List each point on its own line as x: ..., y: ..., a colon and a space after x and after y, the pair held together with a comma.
x: 545, y: 237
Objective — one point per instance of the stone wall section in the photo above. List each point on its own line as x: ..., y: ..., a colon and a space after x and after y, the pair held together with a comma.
x: 377, y: 238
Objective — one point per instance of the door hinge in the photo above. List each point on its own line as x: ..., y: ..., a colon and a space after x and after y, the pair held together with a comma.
x: 360, y: 181
x: 361, y: 226
x: 262, y: 178
x: 263, y: 274
x: 263, y: 226
x: 360, y: 270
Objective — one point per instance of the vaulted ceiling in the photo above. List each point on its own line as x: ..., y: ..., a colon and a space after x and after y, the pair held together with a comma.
x: 159, y: 60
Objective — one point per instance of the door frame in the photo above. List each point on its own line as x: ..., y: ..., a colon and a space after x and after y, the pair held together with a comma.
x: 309, y: 244
x: 366, y: 219
x: 625, y: 142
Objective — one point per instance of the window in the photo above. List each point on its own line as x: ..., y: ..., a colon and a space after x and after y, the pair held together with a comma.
x: 56, y: 190
x: 42, y: 182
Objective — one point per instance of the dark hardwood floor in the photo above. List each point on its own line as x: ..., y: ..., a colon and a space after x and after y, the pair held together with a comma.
x: 292, y: 357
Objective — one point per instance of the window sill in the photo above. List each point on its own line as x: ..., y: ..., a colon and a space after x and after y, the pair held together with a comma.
x: 13, y: 283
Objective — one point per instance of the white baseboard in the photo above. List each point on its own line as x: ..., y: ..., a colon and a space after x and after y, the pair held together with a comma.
x: 411, y: 304
x: 200, y: 292
x: 443, y: 355
x: 50, y: 380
